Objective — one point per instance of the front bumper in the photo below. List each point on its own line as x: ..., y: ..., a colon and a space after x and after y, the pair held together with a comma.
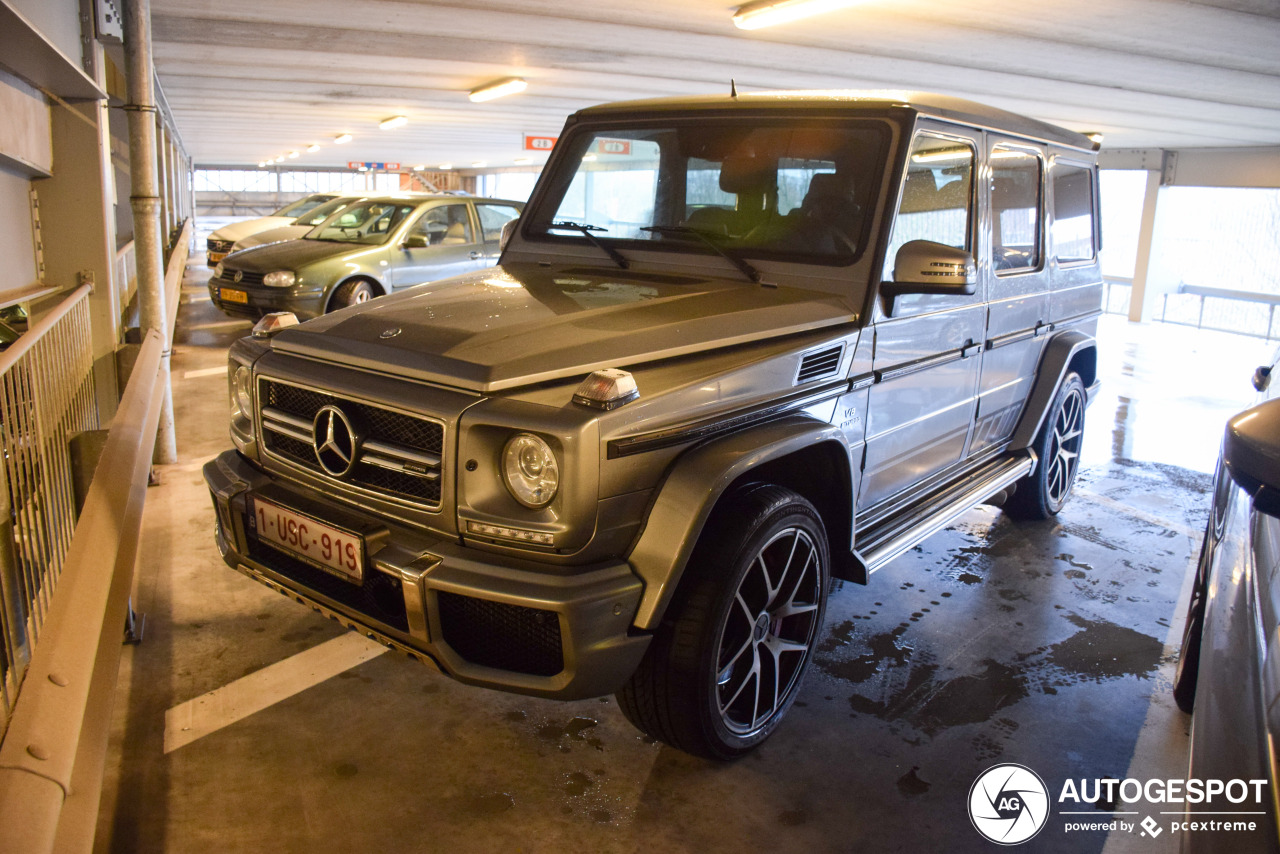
x: 484, y: 619
x: 256, y: 301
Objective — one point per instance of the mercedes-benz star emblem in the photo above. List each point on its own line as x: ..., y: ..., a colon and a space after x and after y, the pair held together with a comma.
x: 390, y: 333
x: 336, y: 442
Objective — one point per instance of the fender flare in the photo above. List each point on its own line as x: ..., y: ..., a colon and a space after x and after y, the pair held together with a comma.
x: 1060, y: 354
x: 695, y: 483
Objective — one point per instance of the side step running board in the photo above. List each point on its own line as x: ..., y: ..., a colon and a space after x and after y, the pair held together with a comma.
x: 898, y: 534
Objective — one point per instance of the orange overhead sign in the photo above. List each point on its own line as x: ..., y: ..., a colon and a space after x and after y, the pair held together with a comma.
x: 539, y: 143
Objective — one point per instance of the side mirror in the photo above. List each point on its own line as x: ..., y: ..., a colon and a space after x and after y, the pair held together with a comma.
x: 1251, y: 452
x: 1261, y: 377
x: 414, y: 241
x: 925, y: 267
x: 508, y: 229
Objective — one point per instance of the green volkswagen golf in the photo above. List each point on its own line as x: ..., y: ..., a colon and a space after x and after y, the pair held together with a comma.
x: 370, y: 248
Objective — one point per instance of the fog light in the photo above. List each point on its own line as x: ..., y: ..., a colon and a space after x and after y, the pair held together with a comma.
x: 519, y: 535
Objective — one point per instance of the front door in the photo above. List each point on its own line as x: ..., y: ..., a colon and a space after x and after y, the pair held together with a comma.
x: 928, y: 347
x: 440, y: 243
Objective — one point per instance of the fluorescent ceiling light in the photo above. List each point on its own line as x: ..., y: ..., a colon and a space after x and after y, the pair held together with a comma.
x: 393, y: 122
x: 419, y: 167
x: 445, y: 166
x: 315, y: 146
x: 339, y: 140
x: 478, y: 164
x: 766, y: 13
x: 521, y: 160
x: 280, y: 159
x: 498, y: 88
x: 292, y: 154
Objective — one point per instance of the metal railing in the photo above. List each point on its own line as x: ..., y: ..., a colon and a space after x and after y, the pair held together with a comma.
x: 1232, y: 310
x: 53, y: 753
x: 46, y: 398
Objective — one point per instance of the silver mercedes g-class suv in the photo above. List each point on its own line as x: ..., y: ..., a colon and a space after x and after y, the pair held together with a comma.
x: 736, y: 347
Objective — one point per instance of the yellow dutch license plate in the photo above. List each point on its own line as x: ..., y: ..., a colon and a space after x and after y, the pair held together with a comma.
x: 340, y: 552
x: 233, y: 295
x: 215, y: 257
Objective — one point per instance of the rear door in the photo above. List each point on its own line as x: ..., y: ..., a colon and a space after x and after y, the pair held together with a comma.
x: 928, y: 347
x: 493, y: 216
x: 1017, y: 282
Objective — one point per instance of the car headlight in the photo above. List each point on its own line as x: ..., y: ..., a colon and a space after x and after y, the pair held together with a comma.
x: 530, y: 470
x: 279, y: 279
x: 217, y: 271
x: 242, y: 392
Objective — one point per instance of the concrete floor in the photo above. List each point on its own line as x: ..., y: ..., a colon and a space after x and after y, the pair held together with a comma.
x: 1049, y: 645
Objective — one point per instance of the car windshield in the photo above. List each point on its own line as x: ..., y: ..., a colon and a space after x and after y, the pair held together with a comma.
x: 301, y: 206
x: 320, y: 213
x: 795, y: 189
x: 366, y: 222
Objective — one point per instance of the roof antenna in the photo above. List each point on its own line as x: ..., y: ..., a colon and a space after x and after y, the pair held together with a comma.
x: 733, y: 88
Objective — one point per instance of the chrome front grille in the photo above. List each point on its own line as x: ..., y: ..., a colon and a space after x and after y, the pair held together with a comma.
x: 396, y: 455
x: 220, y: 245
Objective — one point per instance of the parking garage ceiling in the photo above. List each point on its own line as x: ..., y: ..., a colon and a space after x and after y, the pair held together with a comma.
x: 249, y: 80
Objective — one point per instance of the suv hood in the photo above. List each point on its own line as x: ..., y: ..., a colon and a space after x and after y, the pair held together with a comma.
x: 520, y: 324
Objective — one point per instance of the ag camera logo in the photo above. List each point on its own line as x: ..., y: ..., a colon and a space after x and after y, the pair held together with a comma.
x: 1008, y: 804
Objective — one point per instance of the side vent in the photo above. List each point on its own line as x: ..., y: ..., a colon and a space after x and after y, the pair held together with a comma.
x: 820, y: 365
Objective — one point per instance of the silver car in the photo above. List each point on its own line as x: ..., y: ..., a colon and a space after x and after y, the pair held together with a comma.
x: 735, y: 347
x: 1229, y: 664
x: 367, y: 249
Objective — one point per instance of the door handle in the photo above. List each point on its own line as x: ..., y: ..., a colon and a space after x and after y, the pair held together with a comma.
x: 475, y: 255
x: 970, y: 347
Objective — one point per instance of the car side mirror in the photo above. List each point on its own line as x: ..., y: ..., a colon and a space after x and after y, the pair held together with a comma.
x: 415, y: 241
x: 1251, y: 452
x: 508, y: 229
x: 925, y: 267
x: 1261, y: 377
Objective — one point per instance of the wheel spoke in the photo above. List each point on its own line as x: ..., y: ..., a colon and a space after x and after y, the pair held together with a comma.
x: 751, y: 675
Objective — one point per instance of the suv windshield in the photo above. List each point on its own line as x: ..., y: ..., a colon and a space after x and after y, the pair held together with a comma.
x: 367, y: 222
x: 763, y: 188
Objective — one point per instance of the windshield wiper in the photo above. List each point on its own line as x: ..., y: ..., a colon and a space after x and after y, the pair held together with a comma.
x: 586, y: 230
x: 707, y: 237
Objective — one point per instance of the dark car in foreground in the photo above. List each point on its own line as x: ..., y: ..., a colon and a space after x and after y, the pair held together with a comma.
x: 1228, y: 672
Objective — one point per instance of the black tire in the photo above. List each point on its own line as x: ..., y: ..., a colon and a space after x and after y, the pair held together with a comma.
x: 1043, y: 493
x: 1188, y: 670
x: 733, y: 631
x: 351, y: 293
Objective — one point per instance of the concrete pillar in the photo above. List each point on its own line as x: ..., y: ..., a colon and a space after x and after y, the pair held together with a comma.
x: 1153, y: 275
x: 146, y: 204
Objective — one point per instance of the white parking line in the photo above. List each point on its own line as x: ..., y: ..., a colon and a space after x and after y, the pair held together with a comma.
x: 210, y: 712
x: 204, y: 372
x: 225, y: 324
x: 1129, y: 510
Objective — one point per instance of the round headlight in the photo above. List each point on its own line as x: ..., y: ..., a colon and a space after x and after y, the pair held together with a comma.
x: 279, y: 279
x: 217, y: 271
x: 242, y: 391
x: 530, y: 470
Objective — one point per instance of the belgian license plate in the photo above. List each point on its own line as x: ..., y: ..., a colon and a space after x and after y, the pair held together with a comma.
x: 233, y: 295
x: 215, y: 257
x: 337, y: 551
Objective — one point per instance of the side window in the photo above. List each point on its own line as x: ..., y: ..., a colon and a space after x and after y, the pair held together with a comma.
x: 444, y: 225
x: 1072, y: 228
x: 937, y: 197
x: 493, y: 217
x: 1015, y: 210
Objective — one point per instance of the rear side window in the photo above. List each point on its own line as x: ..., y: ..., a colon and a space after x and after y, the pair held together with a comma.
x: 493, y: 218
x: 1073, y: 206
x: 1015, y: 203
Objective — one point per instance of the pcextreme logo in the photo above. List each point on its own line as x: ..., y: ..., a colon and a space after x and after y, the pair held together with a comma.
x: 1009, y: 804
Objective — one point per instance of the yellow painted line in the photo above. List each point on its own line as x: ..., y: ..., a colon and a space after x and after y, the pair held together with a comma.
x: 1134, y: 512
x: 205, y: 372
x: 224, y: 706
